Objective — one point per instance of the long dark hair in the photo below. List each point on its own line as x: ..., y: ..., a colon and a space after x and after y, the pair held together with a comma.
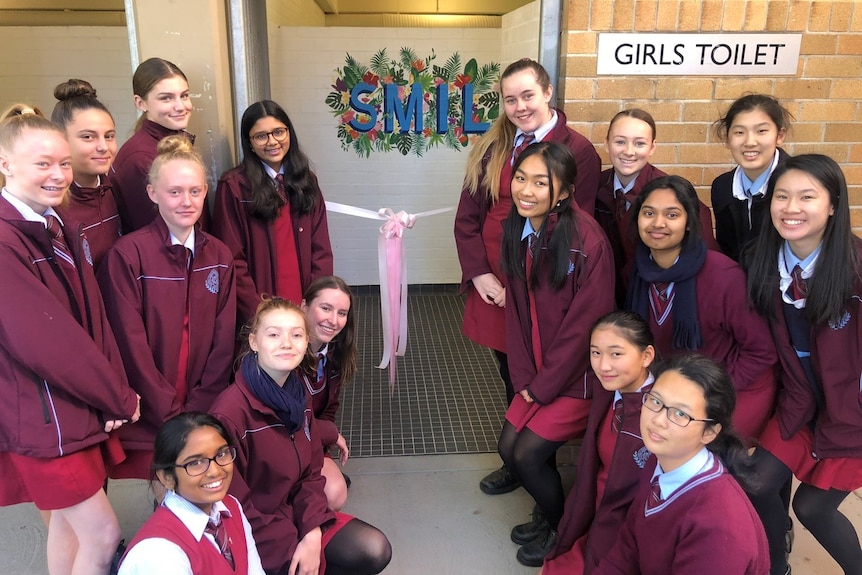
x: 838, y: 267
x: 173, y: 435
x: 720, y: 398
x: 685, y: 195
x: 561, y: 165
x: 343, y: 346
x: 631, y: 325
x: 770, y: 106
x: 300, y: 183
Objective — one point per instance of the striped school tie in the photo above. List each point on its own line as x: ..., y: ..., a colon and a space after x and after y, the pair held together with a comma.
x: 61, y: 250
x: 525, y: 141
x: 221, y: 538
x: 798, y: 285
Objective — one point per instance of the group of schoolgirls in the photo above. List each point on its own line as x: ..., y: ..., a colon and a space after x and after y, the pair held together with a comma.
x: 122, y: 314
x: 544, y: 257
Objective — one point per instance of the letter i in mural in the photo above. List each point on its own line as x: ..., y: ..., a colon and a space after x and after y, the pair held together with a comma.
x: 411, y: 104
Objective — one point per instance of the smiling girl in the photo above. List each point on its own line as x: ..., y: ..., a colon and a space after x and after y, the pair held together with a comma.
x: 92, y: 141
x: 284, y: 496
x: 63, y: 382
x: 199, y: 529
x: 328, y: 305
x: 559, y: 272
x: 694, y: 299
x: 169, y: 293
x: 162, y: 95
x: 270, y: 211
x: 753, y: 129
x: 612, y: 456
x: 692, y: 517
x: 804, y: 277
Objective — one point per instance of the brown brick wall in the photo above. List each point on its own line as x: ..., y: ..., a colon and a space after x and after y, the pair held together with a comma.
x: 825, y: 96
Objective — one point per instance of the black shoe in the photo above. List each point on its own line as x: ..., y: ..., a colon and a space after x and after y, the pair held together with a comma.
x: 526, y: 532
x: 346, y: 479
x: 500, y: 481
x: 533, y: 553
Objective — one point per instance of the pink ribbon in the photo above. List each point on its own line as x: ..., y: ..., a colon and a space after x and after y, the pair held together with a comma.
x: 392, y: 269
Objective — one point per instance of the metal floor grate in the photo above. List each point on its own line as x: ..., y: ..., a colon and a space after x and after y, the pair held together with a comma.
x: 449, y: 398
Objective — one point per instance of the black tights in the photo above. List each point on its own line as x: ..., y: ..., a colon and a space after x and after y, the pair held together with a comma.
x: 503, y: 361
x: 357, y: 549
x: 815, y: 508
x: 532, y: 460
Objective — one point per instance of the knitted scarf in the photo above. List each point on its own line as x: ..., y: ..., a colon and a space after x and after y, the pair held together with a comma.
x: 288, y: 402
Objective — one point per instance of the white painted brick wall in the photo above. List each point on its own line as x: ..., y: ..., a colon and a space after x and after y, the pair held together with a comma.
x: 520, y: 34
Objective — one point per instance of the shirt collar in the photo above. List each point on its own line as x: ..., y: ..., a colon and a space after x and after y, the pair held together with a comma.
x: 787, y: 260
x: 29, y: 213
x: 539, y: 134
x: 619, y: 186
x: 191, y: 515
x: 673, y: 480
x: 270, y: 172
x: 188, y: 244
x: 528, y: 229
x: 742, y: 183
x: 648, y: 381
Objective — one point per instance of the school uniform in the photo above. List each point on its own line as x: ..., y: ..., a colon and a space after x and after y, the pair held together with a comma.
x: 733, y: 335
x: 818, y: 411
x: 96, y: 210
x: 324, y: 394
x: 622, y: 235
x: 129, y: 175
x: 739, y: 217
x: 173, y: 541
x: 611, y: 463
x: 561, y: 318
x: 479, y: 231
x: 60, y: 365
x: 174, y: 313
x: 254, y: 246
x: 282, y: 496
x: 702, y: 522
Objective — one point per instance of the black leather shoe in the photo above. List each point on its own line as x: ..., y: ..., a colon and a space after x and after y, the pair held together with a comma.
x: 526, y: 532
x: 500, y: 481
x: 533, y: 553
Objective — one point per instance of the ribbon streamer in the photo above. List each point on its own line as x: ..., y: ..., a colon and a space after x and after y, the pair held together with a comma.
x: 392, y: 269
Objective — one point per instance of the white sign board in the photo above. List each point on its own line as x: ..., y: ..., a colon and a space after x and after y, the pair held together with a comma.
x: 698, y: 54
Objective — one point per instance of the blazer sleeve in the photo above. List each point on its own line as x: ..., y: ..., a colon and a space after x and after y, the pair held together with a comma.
x: 468, y: 235
x: 321, y: 249
x: 41, y: 335
x: 124, y: 304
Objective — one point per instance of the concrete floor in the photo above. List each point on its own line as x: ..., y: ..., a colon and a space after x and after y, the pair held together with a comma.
x: 429, y: 506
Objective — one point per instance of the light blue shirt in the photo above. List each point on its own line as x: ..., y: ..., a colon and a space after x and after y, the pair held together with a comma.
x: 528, y: 229
x: 672, y: 480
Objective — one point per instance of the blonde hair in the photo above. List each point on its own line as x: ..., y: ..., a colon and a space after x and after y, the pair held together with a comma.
x: 14, y: 123
x: 170, y: 148
x: 267, y: 304
x: 20, y: 109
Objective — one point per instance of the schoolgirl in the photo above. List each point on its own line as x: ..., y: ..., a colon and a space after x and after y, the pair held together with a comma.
x: 92, y: 140
x: 170, y: 297
x: 270, y: 211
x: 526, y: 93
x: 630, y: 143
x: 753, y: 129
x: 692, y: 516
x: 559, y: 273
x: 162, y: 95
x: 64, y: 384
x: 328, y: 305
x: 804, y: 277
x: 283, y: 496
x: 612, y: 457
x: 694, y: 299
x: 199, y: 529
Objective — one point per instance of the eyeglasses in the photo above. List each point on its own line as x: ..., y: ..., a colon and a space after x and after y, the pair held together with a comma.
x: 199, y: 466
x: 261, y: 138
x: 674, y: 414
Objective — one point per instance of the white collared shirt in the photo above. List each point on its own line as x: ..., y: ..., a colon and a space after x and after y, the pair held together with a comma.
x: 29, y: 213
x: 189, y: 244
x: 648, y: 381
x: 157, y: 555
x: 786, y: 262
x: 539, y: 134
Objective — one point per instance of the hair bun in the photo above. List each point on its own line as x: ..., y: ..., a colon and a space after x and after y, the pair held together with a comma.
x: 74, y: 88
x: 175, y: 144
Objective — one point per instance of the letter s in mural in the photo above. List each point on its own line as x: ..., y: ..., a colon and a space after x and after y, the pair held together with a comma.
x: 410, y: 104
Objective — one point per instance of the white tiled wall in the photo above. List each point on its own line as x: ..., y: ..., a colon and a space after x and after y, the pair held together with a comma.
x: 520, y: 35
x: 294, y: 13
x: 303, y: 63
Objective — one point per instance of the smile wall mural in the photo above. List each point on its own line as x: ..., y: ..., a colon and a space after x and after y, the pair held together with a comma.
x: 411, y: 104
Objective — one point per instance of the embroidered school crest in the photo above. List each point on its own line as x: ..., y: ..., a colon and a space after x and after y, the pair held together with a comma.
x: 212, y: 281
x: 87, y: 254
x: 307, y: 428
x: 571, y: 268
x: 841, y: 323
x: 640, y: 456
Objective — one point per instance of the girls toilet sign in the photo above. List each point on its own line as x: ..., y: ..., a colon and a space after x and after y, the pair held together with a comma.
x: 410, y: 104
x: 698, y: 54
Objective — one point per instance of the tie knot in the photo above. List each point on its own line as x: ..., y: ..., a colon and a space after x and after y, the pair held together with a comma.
x: 528, y: 139
x: 55, y: 230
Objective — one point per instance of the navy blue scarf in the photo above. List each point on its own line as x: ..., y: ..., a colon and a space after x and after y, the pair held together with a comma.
x: 686, y: 328
x: 288, y: 402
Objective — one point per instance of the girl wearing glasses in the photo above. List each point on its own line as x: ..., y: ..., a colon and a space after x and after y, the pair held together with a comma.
x: 612, y: 457
x: 169, y: 294
x: 692, y: 516
x: 199, y: 529
x: 694, y: 299
x: 805, y: 276
x: 162, y: 95
x: 280, y: 456
x: 270, y: 211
